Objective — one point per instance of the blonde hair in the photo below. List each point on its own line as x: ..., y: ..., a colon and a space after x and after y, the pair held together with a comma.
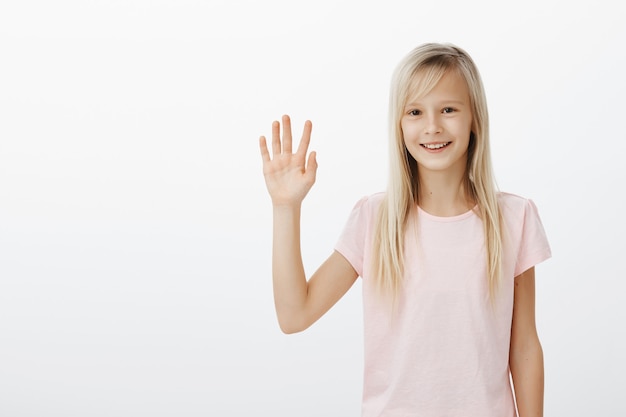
x: 417, y: 74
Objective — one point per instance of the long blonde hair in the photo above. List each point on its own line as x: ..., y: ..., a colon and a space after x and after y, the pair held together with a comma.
x: 421, y: 70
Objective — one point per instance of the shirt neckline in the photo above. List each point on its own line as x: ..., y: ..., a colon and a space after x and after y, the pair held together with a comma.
x: 458, y: 217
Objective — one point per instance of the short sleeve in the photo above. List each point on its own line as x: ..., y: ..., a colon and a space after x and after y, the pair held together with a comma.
x: 351, y: 242
x: 534, y: 247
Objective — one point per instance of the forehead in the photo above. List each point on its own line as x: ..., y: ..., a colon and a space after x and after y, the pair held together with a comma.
x: 441, y: 82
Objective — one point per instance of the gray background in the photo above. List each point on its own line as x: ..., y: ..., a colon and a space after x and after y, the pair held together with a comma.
x: 135, y: 228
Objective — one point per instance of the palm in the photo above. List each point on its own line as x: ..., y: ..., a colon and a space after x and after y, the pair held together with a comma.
x: 289, y: 176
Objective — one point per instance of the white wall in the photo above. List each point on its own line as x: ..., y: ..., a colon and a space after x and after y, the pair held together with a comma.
x: 135, y: 228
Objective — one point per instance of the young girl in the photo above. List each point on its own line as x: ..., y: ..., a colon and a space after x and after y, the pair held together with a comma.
x: 447, y: 262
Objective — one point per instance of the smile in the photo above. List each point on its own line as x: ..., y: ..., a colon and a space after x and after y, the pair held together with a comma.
x: 435, y: 145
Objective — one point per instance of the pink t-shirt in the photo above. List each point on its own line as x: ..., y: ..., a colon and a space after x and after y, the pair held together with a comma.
x: 445, y: 352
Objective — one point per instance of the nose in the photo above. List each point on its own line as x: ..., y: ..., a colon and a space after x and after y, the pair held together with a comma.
x: 433, y: 125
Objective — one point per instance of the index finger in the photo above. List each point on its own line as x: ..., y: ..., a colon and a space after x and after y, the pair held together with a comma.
x: 306, y: 138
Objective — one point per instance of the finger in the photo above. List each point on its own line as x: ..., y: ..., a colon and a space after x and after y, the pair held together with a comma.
x: 265, y: 154
x: 306, y: 138
x: 276, y: 138
x: 311, y: 167
x: 286, y: 134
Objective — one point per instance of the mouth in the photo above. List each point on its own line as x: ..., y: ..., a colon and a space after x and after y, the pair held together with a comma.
x: 435, y: 146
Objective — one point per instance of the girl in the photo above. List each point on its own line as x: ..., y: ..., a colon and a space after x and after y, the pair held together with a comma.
x: 447, y: 262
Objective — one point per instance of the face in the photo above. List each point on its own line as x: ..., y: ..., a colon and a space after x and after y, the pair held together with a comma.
x: 437, y: 126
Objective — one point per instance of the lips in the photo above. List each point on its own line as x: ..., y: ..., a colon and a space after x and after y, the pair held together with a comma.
x: 435, y: 146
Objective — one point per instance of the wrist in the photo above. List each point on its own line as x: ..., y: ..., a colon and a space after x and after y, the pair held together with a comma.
x: 286, y: 205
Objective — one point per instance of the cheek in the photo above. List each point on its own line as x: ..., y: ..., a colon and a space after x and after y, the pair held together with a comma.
x: 409, y: 131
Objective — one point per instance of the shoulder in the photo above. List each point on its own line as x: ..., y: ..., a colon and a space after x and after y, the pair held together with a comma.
x: 523, y: 231
x: 370, y: 202
x: 514, y: 206
x: 365, y: 210
x: 511, y: 201
x: 519, y: 213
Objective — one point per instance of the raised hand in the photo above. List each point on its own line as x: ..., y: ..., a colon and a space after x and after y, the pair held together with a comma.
x: 288, y: 176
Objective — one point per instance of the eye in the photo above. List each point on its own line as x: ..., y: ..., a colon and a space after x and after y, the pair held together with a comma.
x: 415, y: 112
x: 448, y: 110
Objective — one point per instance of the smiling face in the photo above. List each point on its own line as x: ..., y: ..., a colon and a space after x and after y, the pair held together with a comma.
x: 436, y: 126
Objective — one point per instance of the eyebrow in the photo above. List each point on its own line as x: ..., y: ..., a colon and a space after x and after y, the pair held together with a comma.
x: 458, y: 102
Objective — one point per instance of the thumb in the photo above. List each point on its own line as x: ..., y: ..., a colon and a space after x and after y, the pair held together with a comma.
x: 311, y: 166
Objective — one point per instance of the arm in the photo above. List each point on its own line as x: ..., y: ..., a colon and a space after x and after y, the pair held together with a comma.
x: 289, y: 177
x: 526, y: 354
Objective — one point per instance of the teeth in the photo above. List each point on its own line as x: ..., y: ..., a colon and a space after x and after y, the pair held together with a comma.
x: 435, y: 145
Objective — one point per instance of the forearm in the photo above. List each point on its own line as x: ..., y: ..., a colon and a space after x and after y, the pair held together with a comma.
x: 289, y: 279
x: 526, y: 365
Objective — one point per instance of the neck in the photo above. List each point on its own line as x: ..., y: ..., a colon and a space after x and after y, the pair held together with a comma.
x: 443, y: 193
